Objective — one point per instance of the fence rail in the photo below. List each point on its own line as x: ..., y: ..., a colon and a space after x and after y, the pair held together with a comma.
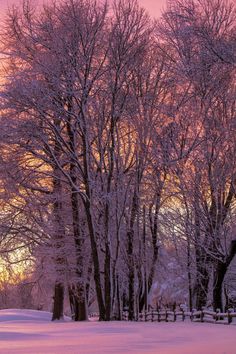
x: 194, y: 316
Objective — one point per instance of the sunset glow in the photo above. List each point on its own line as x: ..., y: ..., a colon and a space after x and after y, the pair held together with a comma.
x: 117, y: 176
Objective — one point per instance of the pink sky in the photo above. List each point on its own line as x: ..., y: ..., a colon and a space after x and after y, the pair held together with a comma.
x: 153, y: 6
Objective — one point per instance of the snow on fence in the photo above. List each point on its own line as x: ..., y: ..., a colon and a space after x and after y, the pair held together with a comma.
x: 93, y: 314
x: 194, y: 316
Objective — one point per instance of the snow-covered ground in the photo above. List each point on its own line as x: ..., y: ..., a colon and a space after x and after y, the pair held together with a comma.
x: 27, y: 331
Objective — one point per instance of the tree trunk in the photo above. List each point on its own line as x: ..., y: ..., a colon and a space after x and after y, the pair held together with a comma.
x: 59, y: 234
x: 219, y: 275
x: 91, y: 228
x: 154, y: 229
x: 201, y: 288
x: 60, y: 257
x: 58, y: 302
x: 190, y: 290
x: 119, y: 313
x: 130, y: 253
x: 79, y: 292
x: 130, y: 237
x: 107, y: 285
x: 96, y: 263
x: 78, y: 304
x: 107, y: 264
x: 220, y: 271
x: 202, y: 278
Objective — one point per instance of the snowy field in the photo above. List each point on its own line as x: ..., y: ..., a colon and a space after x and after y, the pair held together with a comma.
x: 26, y: 331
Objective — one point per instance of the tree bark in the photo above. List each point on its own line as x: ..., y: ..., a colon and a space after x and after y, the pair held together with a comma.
x: 130, y: 253
x: 220, y: 271
x: 96, y: 264
x: 130, y: 236
x: 202, y: 278
x: 58, y: 303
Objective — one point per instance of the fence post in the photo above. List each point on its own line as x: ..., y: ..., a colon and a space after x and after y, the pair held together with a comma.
x: 166, y: 316
x: 125, y: 316
x: 174, y: 315
x: 217, y: 314
x: 152, y: 316
x: 229, y: 317
x: 158, y: 316
x: 191, y: 315
x: 202, y: 315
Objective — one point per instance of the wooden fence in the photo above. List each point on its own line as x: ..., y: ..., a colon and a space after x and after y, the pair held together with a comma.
x: 194, y: 316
